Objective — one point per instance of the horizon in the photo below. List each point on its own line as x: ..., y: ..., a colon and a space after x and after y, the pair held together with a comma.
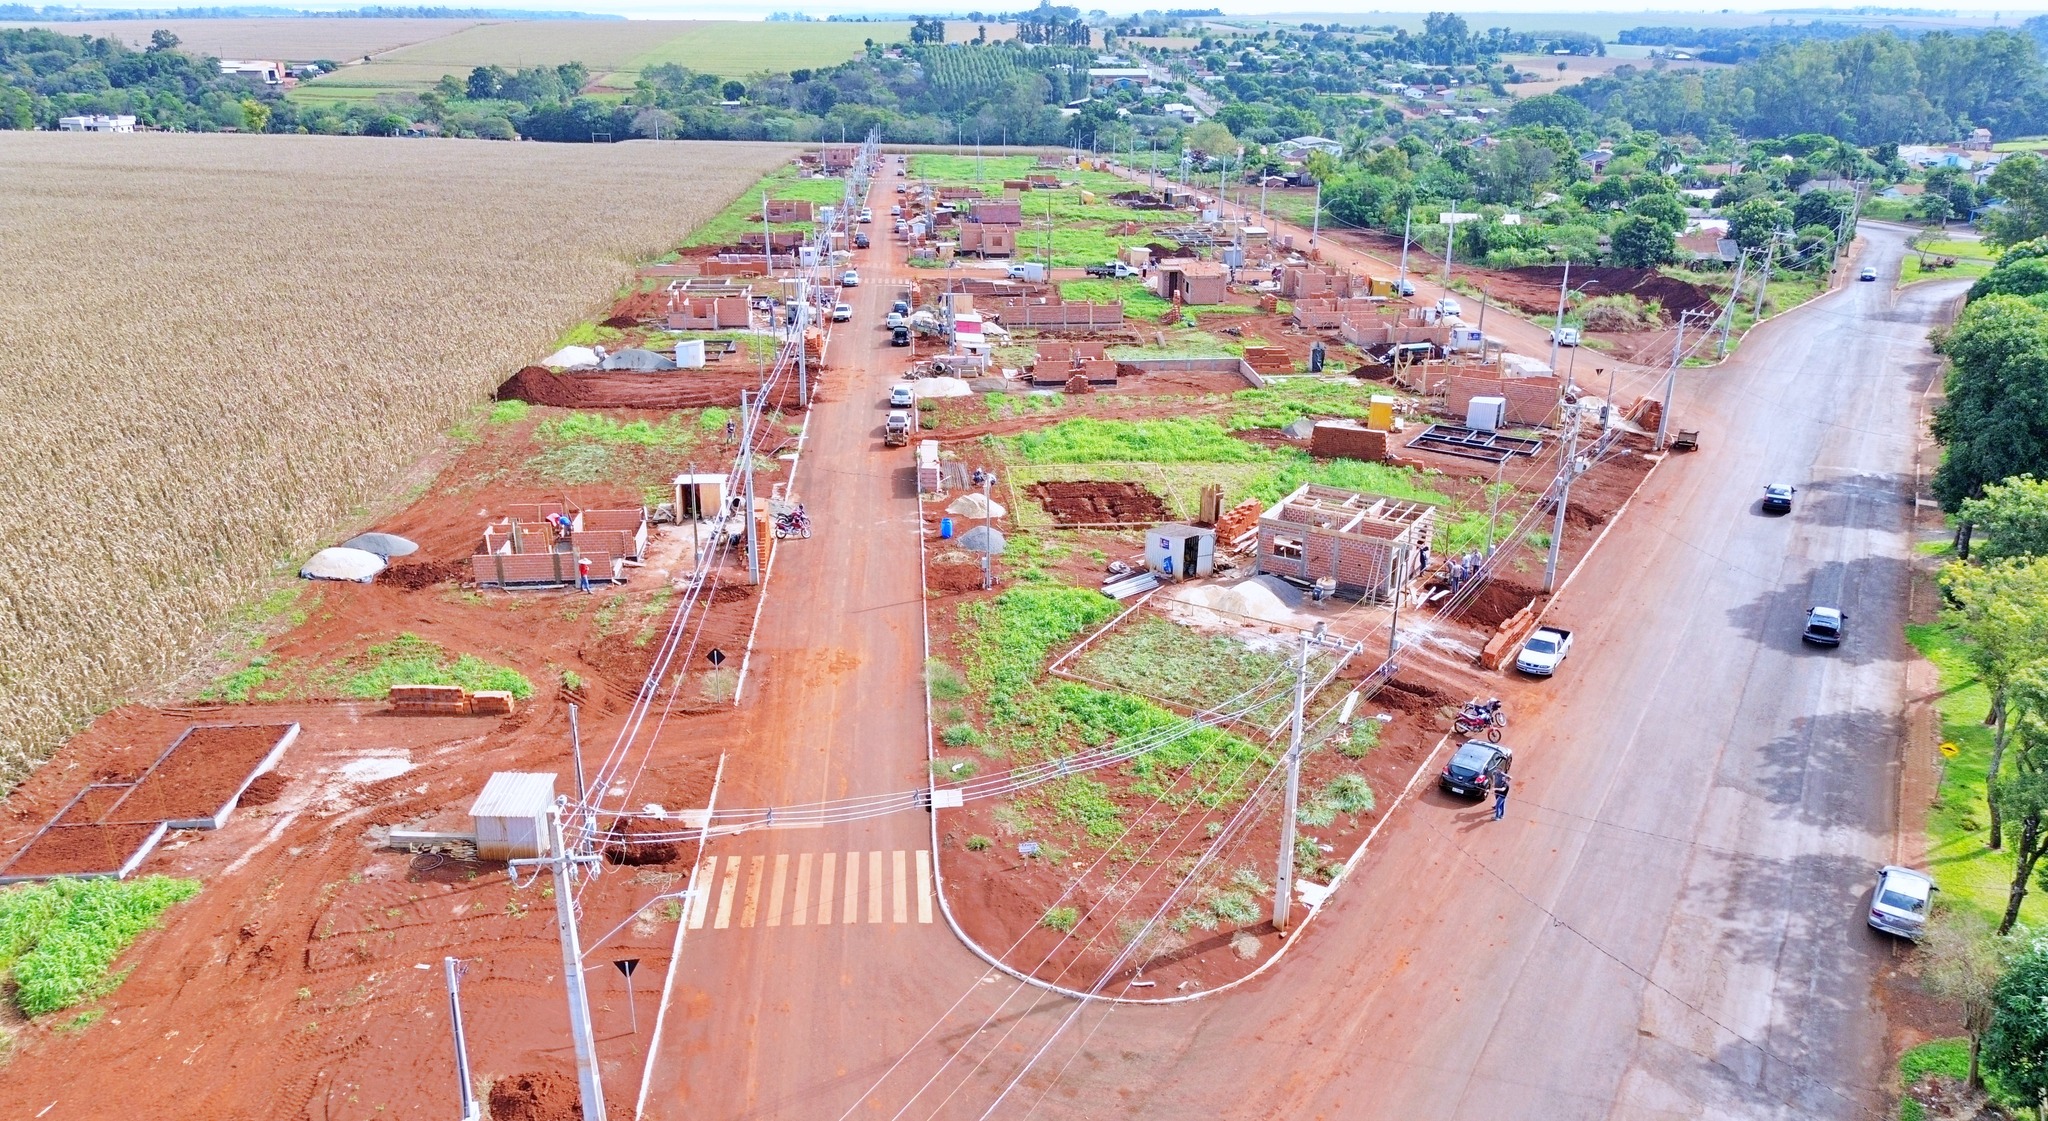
x: 1720, y: 13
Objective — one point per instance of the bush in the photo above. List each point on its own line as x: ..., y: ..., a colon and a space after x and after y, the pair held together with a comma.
x: 946, y: 684
x: 961, y: 735
x: 1349, y: 794
x: 1364, y: 736
x: 979, y: 843
x: 1619, y: 313
x: 62, y: 936
x: 1234, y: 907
x: 1062, y: 919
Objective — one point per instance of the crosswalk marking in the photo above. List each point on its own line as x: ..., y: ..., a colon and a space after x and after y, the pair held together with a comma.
x: 803, y: 891
x: 752, y: 908
x: 775, y: 894
x: 809, y: 889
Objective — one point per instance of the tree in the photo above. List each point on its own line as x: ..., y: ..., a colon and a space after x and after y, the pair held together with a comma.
x: 162, y: 40
x: 733, y: 90
x: 1963, y: 965
x: 2016, y: 1044
x: 2001, y: 611
x: 1662, y: 208
x: 1641, y: 242
x: 485, y: 82
x: 2027, y: 276
x: 255, y: 115
x: 2013, y: 515
x: 2021, y: 182
x: 1932, y: 209
x: 1752, y: 223
x: 1990, y: 423
x: 1550, y: 109
x: 1822, y: 208
x: 2023, y: 793
x: 1211, y: 139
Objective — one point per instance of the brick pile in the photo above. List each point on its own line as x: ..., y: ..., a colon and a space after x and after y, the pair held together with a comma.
x: 449, y: 700
x: 1268, y: 360
x: 1238, y: 521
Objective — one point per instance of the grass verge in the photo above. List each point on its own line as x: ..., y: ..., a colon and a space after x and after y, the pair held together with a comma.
x: 59, y: 939
x: 1971, y: 875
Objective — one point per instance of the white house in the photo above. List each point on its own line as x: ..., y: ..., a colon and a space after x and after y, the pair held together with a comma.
x: 1184, y: 111
x: 1301, y: 146
x: 262, y: 72
x: 98, y: 122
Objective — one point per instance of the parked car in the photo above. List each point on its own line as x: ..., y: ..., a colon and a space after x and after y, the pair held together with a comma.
x: 1405, y: 287
x: 896, y: 211
x: 860, y: 241
x: 1544, y: 650
x: 866, y: 215
x: 1868, y: 273
x: 900, y: 336
x: 849, y: 279
x: 842, y: 312
x: 900, y: 396
x: 1778, y: 498
x: 1565, y: 336
x: 1026, y: 270
x: 1113, y: 269
x: 1472, y: 769
x: 1824, y: 626
x: 1450, y: 307
x: 1899, y: 903
x: 894, y: 321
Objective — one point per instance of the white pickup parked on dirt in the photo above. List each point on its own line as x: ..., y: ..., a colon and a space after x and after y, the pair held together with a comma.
x: 1544, y: 650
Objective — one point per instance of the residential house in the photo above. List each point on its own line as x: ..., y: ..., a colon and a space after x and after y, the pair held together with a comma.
x: 98, y: 122
x: 259, y: 72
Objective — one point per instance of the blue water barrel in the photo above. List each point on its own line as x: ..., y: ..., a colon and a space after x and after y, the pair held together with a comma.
x: 945, y: 529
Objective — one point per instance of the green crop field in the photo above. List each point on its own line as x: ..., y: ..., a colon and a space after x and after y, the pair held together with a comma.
x: 617, y: 50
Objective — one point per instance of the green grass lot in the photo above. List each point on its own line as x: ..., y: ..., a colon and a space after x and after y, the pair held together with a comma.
x: 615, y: 51
x: 1139, y: 302
x: 1080, y: 231
x: 744, y: 215
x: 1973, y: 259
x: 1971, y: 876
x: 60, y: 939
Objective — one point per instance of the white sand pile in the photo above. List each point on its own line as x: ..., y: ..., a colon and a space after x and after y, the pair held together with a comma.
x: 941, y: 387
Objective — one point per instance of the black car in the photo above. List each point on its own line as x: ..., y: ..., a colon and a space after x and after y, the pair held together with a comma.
x: 1778, y: 498
x: 1471, y: 771
x: 899, y: 336
x: 1824, y: 626
x: 860, y: 241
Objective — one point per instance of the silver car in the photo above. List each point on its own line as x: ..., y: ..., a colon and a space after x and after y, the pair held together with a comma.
x: 1899, y: 903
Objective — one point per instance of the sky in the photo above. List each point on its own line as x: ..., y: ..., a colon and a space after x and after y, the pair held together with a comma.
x: 673, y: 9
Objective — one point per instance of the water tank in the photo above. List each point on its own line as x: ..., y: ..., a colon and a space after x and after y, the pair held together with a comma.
x: 1486, y: 414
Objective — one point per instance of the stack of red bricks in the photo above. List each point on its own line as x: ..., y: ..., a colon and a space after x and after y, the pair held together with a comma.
x: 1238, y: 521
x: 1269, y: 359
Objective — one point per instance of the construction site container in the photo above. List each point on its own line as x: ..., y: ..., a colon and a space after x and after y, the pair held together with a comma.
x: 690, y: 354
x: 1180, y: 551
x: 1486, y: 414
x: 699, y: 496
x: 511, y: 815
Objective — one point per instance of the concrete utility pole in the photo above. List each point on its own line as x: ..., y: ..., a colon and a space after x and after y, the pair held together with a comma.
x: 1283, y: 889
x: 563, y: 864
x: 1315, y: 217
x: 1563, y: 287
x: 1763, y: 286
x: 803, y: 373
x: 1407, y: 224
x: 1450, y: 242
x: 453, y: 969
x: 1567, y: 469
x: 747, y: 456
x: 988, y: 533
x: 1671, y: 380
x: 1734, y: 298
x: 767, y: 239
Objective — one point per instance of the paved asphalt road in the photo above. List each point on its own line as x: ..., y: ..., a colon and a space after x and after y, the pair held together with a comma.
x: 1668, y: 923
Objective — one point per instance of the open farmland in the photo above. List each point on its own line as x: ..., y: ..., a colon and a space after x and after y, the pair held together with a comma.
x: 295, y: 40
x: 213, y: 372
x: 614, y: 50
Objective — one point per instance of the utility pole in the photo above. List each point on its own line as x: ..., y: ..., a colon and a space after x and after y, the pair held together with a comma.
x: 1563, y: 286
x: 1734, y: 298
x: 1566, y: 470
x: 1450, y: 241
x: 803, y: 373
x: 1770, y: 250
x: 1315, y: 218
x: 1407, y: 224
x: 1671, y: 380
x: 1283, y: 891
x: 767, y: 239
x: 453, y: 968
x: 747, y: 454
x: 563, y: 863
x: 988, y: 534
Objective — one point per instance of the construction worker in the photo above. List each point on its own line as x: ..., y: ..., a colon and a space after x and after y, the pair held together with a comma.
x: 583, y: 574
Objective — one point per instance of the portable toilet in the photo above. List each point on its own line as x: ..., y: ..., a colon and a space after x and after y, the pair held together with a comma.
x: 1379, y: 413
x: 1177, y: 551
x: 1486, y: 414
x: 511, y: 816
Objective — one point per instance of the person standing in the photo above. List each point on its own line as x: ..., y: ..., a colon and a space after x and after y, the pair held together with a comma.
x: 1500, y: 795
x: 583, y: 574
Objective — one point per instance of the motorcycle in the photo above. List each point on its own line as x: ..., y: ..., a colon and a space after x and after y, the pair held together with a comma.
x: 1476, y: 718
x: 795, y: 523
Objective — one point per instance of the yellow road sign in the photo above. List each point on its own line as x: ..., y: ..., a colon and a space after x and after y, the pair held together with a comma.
x: 1948, y: 750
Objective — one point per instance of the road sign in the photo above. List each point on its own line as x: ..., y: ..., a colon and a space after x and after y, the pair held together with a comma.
x: 716, y: 657
x: 627, y: 965
x: 1948, y: 750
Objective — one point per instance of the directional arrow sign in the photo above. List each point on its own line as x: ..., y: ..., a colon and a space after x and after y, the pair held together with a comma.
x: 627, y: 965
x: 716, y: 657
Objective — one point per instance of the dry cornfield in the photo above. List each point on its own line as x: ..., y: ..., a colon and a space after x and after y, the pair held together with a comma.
x: 221, y: 348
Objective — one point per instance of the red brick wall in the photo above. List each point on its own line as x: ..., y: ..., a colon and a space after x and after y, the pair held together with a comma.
x: 1348, y: 440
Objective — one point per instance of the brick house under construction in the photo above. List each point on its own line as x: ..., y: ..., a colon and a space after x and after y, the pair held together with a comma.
x: 1366, y: 543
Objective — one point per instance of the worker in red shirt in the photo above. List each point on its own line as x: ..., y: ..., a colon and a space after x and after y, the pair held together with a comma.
x: 583, y: 574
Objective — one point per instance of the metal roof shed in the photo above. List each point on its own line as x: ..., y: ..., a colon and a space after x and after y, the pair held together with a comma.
x: 511, y: 815
x: 1180, y: 551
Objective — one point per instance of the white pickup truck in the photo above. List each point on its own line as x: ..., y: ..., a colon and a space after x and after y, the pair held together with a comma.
x: 1544, y: 650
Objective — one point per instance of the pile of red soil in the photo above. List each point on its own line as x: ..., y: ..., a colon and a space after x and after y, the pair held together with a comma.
x: 1413, y: 697
x: 415, y: 575
x: 266, y: 789
x: 1538, y: 294
x: 621, y: 389
x: 621, y: 321
x: 535, y: 1097
x: 1496, y: 601
x: 953, y: 579
x: 1099, y: 503
x: 626, y: 849
x: 81, y: 848
x: 201, y: 774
